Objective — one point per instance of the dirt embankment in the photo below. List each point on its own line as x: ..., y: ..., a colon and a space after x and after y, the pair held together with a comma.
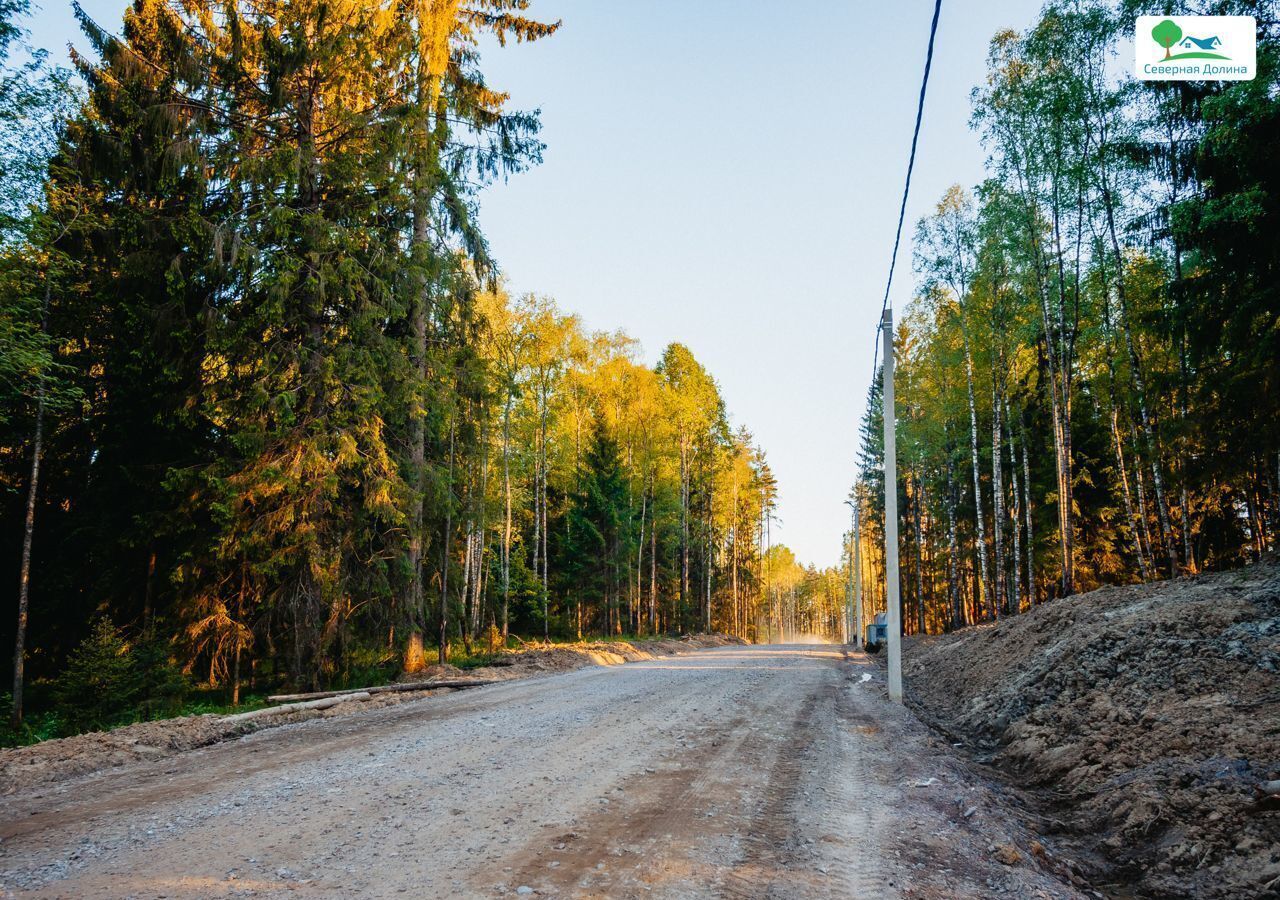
x: 1146, y: 719
x: 23, y: 768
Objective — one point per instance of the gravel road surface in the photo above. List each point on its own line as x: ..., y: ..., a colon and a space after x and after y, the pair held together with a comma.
x: 776, y: 771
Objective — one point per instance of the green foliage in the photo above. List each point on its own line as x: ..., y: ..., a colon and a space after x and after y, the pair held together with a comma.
x: 596, y: 551
x: 161, y: 687
x: 34, y: 98
x: 34, y: 101
x: 1228, y: 302
x: 1087, y: 379
x: 292, y: 420
x: 109, y: 680
x: 99, y: 686
x: 40, y: 727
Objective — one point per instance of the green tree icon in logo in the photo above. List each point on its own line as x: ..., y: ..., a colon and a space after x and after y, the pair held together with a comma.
x: 1167, y: 33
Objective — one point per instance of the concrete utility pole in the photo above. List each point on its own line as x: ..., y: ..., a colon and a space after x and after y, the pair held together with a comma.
x: 891, y: 515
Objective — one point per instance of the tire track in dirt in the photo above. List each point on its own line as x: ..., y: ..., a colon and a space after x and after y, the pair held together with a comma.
x: 808, y: 839
x: 641, y: 843
x: 863, y: 794
x: 683, y: 798
x: 732, y: 818
x: 770, y: 845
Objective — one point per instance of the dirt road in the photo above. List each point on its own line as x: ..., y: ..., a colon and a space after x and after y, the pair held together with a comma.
x: 739, y: 772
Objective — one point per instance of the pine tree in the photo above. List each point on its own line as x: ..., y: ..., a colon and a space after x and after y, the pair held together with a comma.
x: 596, y: 550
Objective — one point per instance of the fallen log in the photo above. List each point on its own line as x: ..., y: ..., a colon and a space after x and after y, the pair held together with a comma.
x: 384, y: 689
x: 321, y: 703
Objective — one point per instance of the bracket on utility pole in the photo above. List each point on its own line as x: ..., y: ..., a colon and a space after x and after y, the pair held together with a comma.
x: 892, y: 599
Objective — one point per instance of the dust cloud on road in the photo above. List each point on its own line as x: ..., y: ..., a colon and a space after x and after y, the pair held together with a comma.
x: 739, y: 772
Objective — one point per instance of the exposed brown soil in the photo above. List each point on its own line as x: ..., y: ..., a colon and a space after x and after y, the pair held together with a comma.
x: 534, y: 657
x: 1144, y: 719
x: 22, y: 768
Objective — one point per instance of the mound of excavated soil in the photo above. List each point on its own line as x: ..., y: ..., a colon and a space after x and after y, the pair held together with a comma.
x: 22, y: 768
x: 535, y: 658
x: 66, y: 757
x: 1146, y: 718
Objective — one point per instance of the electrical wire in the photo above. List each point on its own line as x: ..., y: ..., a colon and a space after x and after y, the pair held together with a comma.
x: 906, y: 190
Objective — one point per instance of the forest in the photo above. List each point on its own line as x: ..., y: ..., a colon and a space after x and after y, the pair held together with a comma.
x: 270, y: 415
x: 1088, y: 377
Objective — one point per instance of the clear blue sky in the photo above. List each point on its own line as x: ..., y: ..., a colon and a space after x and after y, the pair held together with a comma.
x: 727, y: 173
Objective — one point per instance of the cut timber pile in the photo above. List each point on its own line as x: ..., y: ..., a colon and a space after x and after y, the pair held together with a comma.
x: 1146, y: 718
x: 366, y: 693
x: 319, y: 703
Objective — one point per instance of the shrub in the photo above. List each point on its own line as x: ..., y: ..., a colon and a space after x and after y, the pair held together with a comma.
x: 161, y: 686
x: 109, y: 681
x: 99, y: 685
x: 34, y: 728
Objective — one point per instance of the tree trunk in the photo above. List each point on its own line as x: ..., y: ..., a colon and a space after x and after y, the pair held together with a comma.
x: 546, y: 537
x: 1057, y: 391
x: 235, y: 677
x: 919, y: 529
x: 1275, y: 499
x: 465, y: 593
x: 733, y: 555
x: 1066, y: 357
x: 477, y: 600
x: 444, y: 558
x: 684, y: 524
x: 1139, y: 384
x: 653, y: 569
x: 1026, y: 510
x: 856, y: 564
x: 1140, y: 483
x: 1015, y: 584
x: 1062, y: 472
x: 997, y: 495
x: 707, y: 563
x: 644, y: 509
x: 537, y: 504
x: 956, y: 601
x: 506, y: 520
x: 980, y: 519
x: 1138, y: 380
x: 235, y: 670
x: 1135, y: 526
x: 28, y: 534
x: 424, y: 186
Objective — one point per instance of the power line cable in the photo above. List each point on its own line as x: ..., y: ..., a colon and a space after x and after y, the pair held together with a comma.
x: 906, y: 190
